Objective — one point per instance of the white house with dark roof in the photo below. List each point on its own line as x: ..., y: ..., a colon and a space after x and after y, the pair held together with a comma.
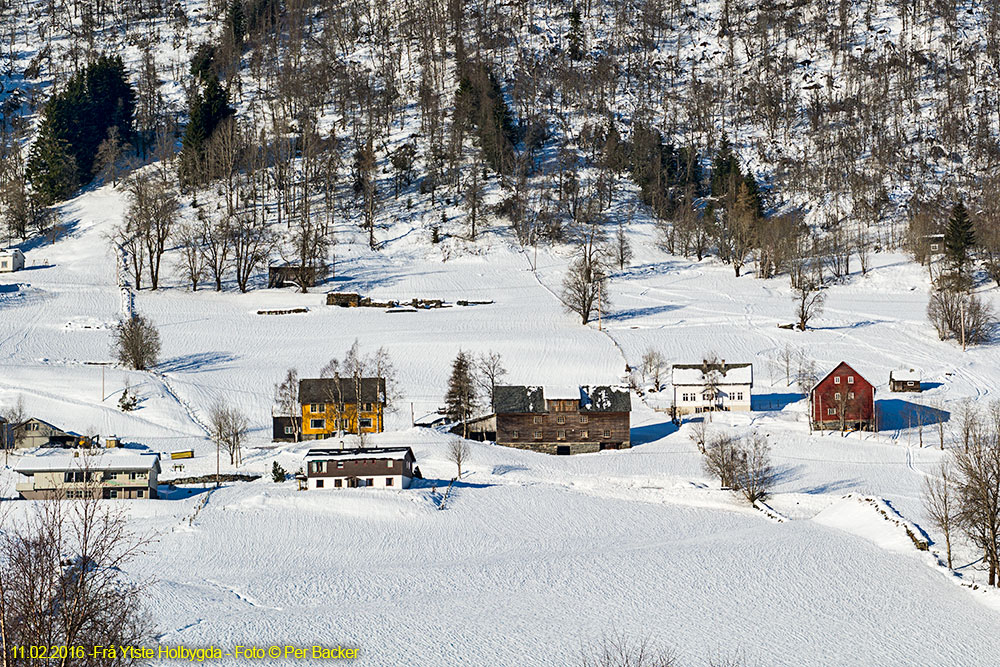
x: 368, y: 467
x: 709, y: 387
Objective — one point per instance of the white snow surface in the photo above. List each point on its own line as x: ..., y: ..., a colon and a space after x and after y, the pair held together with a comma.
x: 535, y: 556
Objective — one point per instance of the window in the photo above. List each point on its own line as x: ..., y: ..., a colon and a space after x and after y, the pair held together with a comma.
x: 560, y: 419
x: 538, y: 435
x: 561, y: 435
x: 836, y: 396
x: 114, y: 493
x: 584, y: 419
x: 850, y: 394
x: 388, y: 481
x: 340, y: 465
x: 316, y: 407
x: 836, y: 380
x: 318, y: 424
x: 337, y: 483
x: 367, y: 407
x: 31, y: 427
x: 831, y: 411
x: 607, y: 433
x: 850, y: 379
x: 319, y: 483
x: 388, y: 463
x: 537, y: 420
x: 516, y: 435
x: 585, y: 434
x: 138, y: 494
x: 289, y: 430
x: 366, y: 423
x: 370, y: 482
x: 934, y: 247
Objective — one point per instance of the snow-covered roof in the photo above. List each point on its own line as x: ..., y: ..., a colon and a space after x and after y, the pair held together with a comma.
x: 562, y: 392
x: 10, y: 252
x: 55, y: 461
x: 525, y: 399
x: 328, y: 454
x: 905, y: 374
x: 694, y: 374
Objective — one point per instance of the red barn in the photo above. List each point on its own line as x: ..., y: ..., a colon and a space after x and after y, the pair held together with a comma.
x: 843, y: 399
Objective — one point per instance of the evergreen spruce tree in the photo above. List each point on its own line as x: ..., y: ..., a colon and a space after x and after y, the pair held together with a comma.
x: 576, y: 40
x: 51, y: 166
x: 460, y: 400
x: 959, y: 238
x: 277, y: 473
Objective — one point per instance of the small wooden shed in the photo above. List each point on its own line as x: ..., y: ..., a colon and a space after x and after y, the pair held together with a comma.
x: 904, y: 379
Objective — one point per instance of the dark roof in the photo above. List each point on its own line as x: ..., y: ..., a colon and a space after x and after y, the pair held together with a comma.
x: 360, y: 452
x: 723, y: 368
x: 325, y: 390
x: 518, y: 398
x: 837, y: 368
x: 524, y: 399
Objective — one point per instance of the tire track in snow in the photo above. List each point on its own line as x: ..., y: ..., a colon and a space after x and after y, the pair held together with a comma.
x: 192, y: 415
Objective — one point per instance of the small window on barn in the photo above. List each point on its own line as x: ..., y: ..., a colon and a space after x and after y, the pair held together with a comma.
x: 537, y: 420
x: 831, y: 411
x: 584, y: 419
x: 560, y: 419
x: 585, y: 434
x: 607, y: 433
x: 850, y: 379
x: 934, y: 247
x: 836, y: 396
x: 289, y: 430
x: 516, y: 435
x: 538, y: 435
x: 836, y: 380
x: 850, y: 394
x: 561, y: 435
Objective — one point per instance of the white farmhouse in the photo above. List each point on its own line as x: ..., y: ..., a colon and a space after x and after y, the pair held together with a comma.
x: 108, y: 474
x: 11, y: 260
x: 708, y: 387
x: 379, y: 467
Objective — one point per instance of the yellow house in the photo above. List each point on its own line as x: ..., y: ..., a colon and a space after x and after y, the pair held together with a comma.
x: 333, y: 405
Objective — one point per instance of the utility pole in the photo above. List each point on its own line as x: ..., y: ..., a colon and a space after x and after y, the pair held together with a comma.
x: 961, y: 311
x: 102, y: 384
x: 413, y: 420
x: 217, y: 456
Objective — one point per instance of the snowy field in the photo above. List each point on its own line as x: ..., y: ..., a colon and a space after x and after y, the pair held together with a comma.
x: 535, y: 556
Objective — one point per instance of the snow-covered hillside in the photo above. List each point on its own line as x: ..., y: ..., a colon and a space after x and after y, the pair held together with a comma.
x: 844, y: 121
x: 535, y: 552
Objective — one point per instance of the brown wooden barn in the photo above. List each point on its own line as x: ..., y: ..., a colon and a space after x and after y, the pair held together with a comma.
x: 563, y: 421
x: 904, y: 379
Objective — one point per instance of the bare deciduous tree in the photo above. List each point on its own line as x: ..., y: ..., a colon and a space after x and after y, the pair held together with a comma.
x: 619, y: 651
x: 137, y: 343
x: 61, y: 581
x: 458, y: 453
x: 229, y: 429
x: 941, y: 504
x: 489, y: 373
x: 286, y: 400
x: 808, y: 302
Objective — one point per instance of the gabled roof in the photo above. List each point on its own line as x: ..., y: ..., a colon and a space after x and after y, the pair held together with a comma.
x: 520, y: 399
x: 694, y: 374
x: 835, y: 369
x: 11, y: 252
x: 104, y: 461
x: 336, y: 390
x: 44, y: 423
x: 329, y: 454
